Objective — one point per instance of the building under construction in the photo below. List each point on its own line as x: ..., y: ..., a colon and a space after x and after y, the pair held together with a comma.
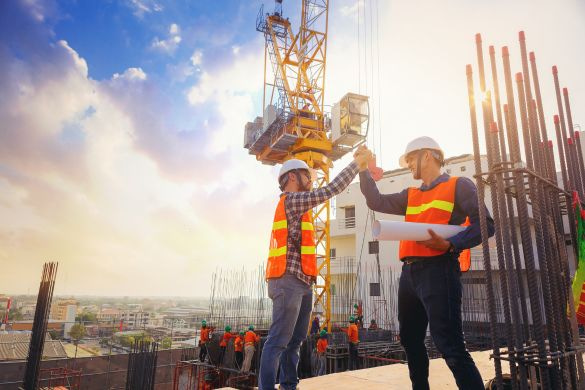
x: 522, y: 299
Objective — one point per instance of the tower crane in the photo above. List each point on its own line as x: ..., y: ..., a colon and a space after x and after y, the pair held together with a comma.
x: 294, y: 123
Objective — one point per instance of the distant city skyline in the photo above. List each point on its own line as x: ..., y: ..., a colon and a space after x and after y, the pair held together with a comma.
x: 122, y: 123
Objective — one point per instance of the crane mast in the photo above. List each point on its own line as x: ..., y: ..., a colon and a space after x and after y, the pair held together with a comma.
x: 294, y: 122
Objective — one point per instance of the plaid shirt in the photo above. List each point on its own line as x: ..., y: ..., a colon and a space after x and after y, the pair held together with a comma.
x: 298, y: 203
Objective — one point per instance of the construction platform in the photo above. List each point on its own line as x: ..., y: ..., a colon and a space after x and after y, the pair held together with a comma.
x: 395, y: 376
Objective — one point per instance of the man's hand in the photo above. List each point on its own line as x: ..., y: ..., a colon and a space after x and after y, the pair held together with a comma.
x: 362, y: 157
x: 435, y: 242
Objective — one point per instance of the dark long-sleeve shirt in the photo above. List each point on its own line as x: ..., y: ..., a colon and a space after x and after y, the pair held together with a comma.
x: 466, y: 205
x: 298, y: 203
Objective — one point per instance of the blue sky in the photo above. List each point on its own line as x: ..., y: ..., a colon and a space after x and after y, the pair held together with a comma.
x: 121, y: 122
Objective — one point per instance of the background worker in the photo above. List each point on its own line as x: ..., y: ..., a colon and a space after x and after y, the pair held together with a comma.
x: 292, y: 265
x: 239, y: 349
x: 321, y: 353
x: 359, y: 314
x: 430, y: 289
x: 204, y: 337
x: 373, y: 325
x: 225, y: 339
x: 354, y: 342
x: 250, y: 340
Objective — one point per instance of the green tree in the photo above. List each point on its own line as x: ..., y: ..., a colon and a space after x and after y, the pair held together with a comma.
x: 166, y: 342
x: 77, y: 332
x: 86, y: 317
x: 15, y: 315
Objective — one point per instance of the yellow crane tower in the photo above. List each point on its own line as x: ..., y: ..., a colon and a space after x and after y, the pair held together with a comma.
x: 294, y: 122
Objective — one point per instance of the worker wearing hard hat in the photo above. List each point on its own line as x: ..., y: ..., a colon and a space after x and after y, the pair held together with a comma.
x: 292, y: 265
x: 430, y: 289
x: 322, y: 353
x: 353, y: 337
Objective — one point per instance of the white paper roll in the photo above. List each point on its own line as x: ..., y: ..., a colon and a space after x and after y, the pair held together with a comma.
x: 411, y: 231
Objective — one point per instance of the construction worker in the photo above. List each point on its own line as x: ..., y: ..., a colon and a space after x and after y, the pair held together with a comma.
x: 292, y: 265
x: 321, y: 353
x: 430, y: 288
x: 359, y: 314
x: 354, y: 342
x: 239, y: 349
x: 250, y: 340
x: 204, y: 337
x: 373, y: 325
x: 225, y: 339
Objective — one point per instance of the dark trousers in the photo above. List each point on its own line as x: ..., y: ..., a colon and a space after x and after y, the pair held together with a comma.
x: 239, y: 359
x: 354, y: 361
x: 221, y: 355
x: 202, y: 352
x: 429, y: 293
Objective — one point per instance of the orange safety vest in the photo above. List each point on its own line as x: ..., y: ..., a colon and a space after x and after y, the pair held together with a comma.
x: 250, y: 338
x: 204, y: 337
x: 432, y: 206
x: 353, y: 334
x: 322, y: 345
x: 278, y: 244
x: 239, y: 344
x: 224, y: 340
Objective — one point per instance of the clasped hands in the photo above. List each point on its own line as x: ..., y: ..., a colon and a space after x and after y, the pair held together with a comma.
x: 362, y: 157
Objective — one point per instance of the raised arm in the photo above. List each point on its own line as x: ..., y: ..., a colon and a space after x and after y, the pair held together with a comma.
x: 384, y: 203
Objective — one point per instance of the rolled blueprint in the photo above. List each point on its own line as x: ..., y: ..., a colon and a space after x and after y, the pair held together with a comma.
x: 411, y: 231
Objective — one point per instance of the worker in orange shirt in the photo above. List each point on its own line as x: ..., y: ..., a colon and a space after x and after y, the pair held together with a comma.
x: 225, y: 339
x: 239, y: 349
x: 250, y: 340
x: 321, y: 353
x: 204, y: 337
x: 354, y: 341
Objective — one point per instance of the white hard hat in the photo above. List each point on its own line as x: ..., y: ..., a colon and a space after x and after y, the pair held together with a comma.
x: 419, y: 143
x: 291, y: 165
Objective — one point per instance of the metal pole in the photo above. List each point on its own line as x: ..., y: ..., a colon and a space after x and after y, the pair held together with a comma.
x: 484, y: 231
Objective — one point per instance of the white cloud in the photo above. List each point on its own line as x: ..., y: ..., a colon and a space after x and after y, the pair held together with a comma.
x: 197, y: 57
x: 142, y: 7
x: 170, y: 44
x: 131, y: 74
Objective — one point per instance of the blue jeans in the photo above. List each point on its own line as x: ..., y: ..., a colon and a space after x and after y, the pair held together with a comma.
x: 292, y: 302
x: 429, y: 293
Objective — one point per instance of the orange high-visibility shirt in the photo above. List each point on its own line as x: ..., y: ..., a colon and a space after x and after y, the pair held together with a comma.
x: 239, y: 344
x: 225, y: 339
x: 251, y: 337
x: 352, y: 333
x: 321, y: 345
x: 204, y: 337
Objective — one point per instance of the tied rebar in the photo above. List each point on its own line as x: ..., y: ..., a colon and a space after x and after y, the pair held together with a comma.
x: 535, y: 306
x: 142, y: 366
x: 39, y: 328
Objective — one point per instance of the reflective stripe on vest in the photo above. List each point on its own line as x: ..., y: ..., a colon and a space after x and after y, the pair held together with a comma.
x: 278, y: 244
x: 433, y: 206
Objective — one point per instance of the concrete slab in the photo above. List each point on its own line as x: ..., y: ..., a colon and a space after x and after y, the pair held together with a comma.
x: 396, y: 376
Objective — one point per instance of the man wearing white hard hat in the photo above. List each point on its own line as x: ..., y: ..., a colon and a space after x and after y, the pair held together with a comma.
x: 292, y: 265
x: 430, y: 290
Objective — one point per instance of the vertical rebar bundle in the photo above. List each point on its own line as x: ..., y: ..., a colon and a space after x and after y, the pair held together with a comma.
x: 239, y: 299
x: 529, y: 210
x: 142, y: 366
x: 39, y: 329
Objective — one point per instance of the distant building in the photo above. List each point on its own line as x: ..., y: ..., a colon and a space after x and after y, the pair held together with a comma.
x: 61, y: 309
x: 108, y: 315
